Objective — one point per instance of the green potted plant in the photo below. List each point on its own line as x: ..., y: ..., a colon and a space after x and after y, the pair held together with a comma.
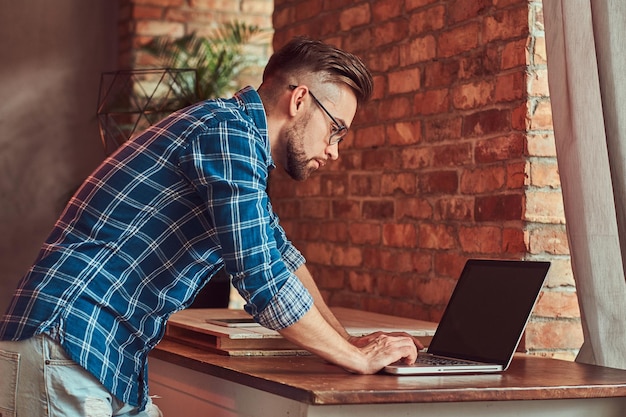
x: 218, y: 59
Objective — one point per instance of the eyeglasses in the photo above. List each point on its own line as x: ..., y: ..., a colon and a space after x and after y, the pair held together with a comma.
x: 337, y: 130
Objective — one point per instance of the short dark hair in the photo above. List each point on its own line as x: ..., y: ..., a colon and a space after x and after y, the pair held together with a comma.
x: 303, y: 55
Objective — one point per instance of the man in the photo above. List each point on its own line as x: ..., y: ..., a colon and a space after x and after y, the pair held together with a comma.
x: 155, y: 222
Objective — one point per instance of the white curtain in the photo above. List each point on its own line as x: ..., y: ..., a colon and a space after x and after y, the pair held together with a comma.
x: 586, y: 45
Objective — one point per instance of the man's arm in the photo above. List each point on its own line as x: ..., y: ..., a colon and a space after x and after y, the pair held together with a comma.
x: 320, y: 332
x: 307, y: 279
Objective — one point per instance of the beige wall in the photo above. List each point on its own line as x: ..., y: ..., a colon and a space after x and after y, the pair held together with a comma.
x: 52, y: 55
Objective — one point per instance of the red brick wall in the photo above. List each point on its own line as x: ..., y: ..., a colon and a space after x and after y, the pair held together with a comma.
x: 453, y: 158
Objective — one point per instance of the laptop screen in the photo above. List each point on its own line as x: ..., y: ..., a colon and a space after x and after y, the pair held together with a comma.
x: 488, y: 310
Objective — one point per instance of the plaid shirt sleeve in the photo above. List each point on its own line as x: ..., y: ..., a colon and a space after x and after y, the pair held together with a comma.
x: 227, y: 165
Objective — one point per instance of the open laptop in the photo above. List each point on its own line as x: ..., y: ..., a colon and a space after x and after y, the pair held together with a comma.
x: 484, y: 319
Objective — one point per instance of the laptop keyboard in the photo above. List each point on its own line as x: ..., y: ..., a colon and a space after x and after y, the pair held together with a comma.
x: 438, y: 360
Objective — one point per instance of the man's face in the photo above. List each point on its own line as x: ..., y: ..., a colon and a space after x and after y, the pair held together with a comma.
x: 309, y: 138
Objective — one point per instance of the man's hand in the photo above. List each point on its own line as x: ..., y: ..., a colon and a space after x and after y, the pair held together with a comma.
x: 362, y: 341
x: 381, y: 349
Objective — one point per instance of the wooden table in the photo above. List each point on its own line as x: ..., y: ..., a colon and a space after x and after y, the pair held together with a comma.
x: 192, y: 381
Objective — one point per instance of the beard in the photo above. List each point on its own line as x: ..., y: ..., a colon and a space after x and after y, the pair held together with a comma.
x: 297, y: 163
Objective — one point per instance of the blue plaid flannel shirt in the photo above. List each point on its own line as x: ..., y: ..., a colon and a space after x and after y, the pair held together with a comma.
x: 148, y: 229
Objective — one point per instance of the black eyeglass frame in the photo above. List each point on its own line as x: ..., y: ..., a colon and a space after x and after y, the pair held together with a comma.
x: 342, y: 129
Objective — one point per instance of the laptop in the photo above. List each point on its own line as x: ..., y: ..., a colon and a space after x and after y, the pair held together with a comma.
x: 484, y: 319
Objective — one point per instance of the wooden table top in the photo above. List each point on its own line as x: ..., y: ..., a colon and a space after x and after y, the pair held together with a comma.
x: 310, y: 380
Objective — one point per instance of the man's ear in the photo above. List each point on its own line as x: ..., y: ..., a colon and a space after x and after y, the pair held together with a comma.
x: 296, y: 101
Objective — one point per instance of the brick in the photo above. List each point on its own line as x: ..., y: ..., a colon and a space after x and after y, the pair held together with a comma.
x: 283, y: 17
x: 458, y: 40
x: 549, y: 239
x: 498, y: 207
x: 390, y: 32
x: 418, y: 50
x: 520, y: 119
x: 399, y: 183
x: 383, y: 61
x: 486, y: 122
x: 473, y: 95
x: 383, y: 10
x: 311, y: 187
x: 400, y: 235
x: 541, y: 144
x: 560, y: 274
x: 357, y: 39
x: 414, y: 157
x: 429, y: 20
x: 388, y: 260
x: 330, y: 231
x: 395, y: 108
x: 370, y: 137
x: 396, y: 286
x: 441, y: 73
x: 333, y: 185
x: 507, y: 24
x: 481, y: 240
x: 431, y: 102
x: 544, y: 172
x: 483, y: 180
x: 454, y: 208
x: 544, y: 207
x: 449, y: 264
x: 436, y: 236
x: 345, y: 209
x: 308, y: 10
x: 379, y: 159
x: 377, y: 210
x: 434, y: 291
x: 513, y: 241
x: 161, y: 3
x: 146, y: 13
x: 347, y: 256
x: 515, y: 54
x: 157, y: 28
x: 538, y: 83
x: 540, y: 54
x: 360, y: 282
x: 365, y: 233
x: 308, y: 231
x: 557, y: 304
x: 517, y: 175
x: 413, y: 208
x: 422, y: 262
x: 260, y: 7
x: 365, y: 185
x: 482, y: 63
x: 404, y: 133
x: 452, y: 155
x: 439, y: 182
x: 414, y: 4
x: 547, y: 334
x: 462, y: 10
x: 318, y: 253
x: 500, y: 148
x: 510, y: 87
x: 316, y: 209
x: 404, y: 81
x: 354, y: 16
x: 287, y: 209
x: 440, y: 129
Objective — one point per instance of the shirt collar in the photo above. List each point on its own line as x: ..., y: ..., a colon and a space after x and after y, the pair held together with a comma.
x: 250, y: 101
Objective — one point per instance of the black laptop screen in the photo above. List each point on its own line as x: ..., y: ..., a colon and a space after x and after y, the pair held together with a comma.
x: 488, y: 310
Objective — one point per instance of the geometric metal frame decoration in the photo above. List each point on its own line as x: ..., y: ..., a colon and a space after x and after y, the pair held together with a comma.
x: 130, y: 101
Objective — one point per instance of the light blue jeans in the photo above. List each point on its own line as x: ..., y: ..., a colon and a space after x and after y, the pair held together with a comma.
x: 38, y: 379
